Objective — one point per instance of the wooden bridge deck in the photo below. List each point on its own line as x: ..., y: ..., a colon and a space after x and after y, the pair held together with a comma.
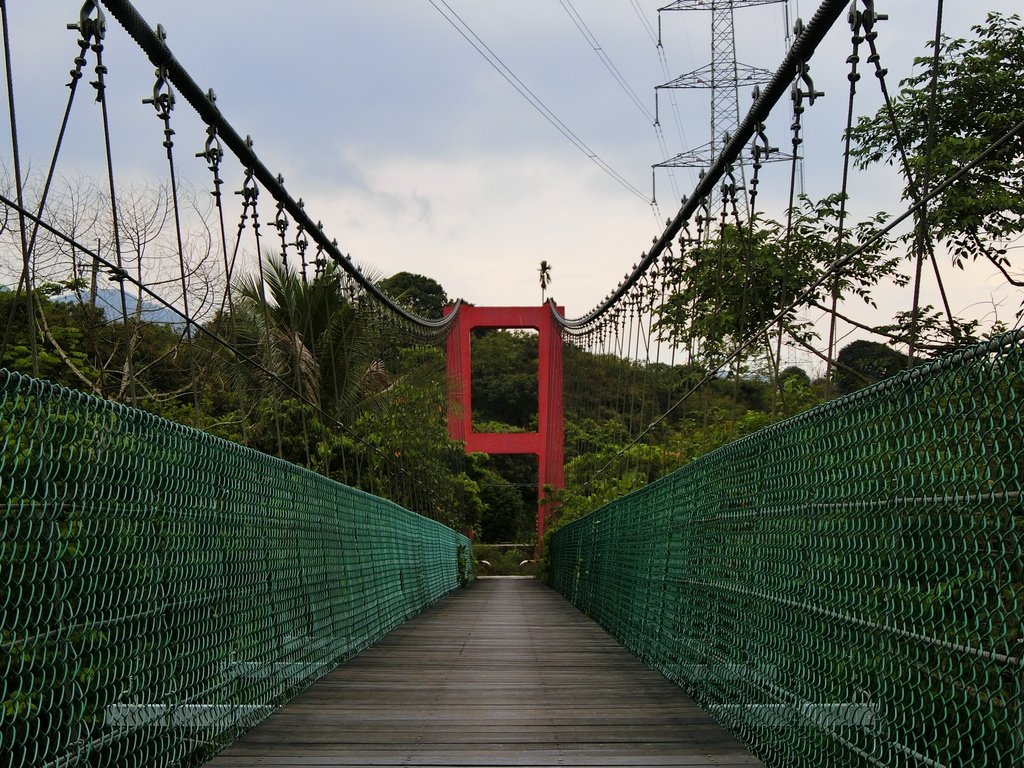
x: 504, y: 673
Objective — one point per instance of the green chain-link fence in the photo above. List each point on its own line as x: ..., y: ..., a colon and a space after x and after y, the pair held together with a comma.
x: 842, y: 589
x: 164, y: 590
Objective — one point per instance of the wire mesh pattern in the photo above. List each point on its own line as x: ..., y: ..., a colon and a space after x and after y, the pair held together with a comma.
x: 164, y: 590
x: 841, y: 589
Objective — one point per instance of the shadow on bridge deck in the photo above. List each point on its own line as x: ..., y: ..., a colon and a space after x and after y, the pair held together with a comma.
x: 503, y: 673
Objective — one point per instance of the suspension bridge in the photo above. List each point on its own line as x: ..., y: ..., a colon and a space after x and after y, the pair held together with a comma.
x: 241, y: 534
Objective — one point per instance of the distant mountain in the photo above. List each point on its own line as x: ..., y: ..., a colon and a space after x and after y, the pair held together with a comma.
x: 109, y: 300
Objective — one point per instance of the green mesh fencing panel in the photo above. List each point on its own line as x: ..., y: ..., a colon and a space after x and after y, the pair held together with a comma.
x: 164, y: 590
x: 844, y: 588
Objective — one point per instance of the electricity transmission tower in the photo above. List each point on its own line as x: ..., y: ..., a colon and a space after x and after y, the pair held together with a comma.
x: 723, y: 77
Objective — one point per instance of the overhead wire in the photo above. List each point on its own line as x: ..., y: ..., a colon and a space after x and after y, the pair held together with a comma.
x: 812, y: 34
x: 656, y: 39
x: 666, y: 74
x: 460, y: 26
x: 203, y: 330
x: 26, y: 273
x: 602, y: 54
x: 923, y: 233
x: 88, y: 29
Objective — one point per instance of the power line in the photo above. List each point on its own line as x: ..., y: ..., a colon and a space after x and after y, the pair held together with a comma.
x: 645, y: 21
x: 460, y: 26
x: 581, y: 25
x: 655, y: 37
x: 631, y: 94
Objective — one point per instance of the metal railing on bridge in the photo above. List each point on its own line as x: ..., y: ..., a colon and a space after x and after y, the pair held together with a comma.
x: 845, y: 588
x: 164, y: 590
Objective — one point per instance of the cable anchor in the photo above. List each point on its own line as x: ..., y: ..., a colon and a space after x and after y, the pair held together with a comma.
x: 88, y: 26
x: 869, y: 17
x: 249, y: 192
x: 281, y: 225
x: 117, y: 274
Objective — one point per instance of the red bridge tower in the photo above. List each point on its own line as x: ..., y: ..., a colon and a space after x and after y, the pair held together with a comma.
x: 547, y: 442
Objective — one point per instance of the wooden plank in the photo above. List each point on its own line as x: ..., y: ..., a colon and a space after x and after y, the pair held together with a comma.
x: 503, y: 673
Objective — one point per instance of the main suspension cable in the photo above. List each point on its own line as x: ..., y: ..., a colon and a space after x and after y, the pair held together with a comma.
x: 803, y: 47
x: 160, y: 56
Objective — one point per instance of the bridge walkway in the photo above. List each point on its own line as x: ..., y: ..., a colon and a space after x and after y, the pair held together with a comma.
x: 503, y: 673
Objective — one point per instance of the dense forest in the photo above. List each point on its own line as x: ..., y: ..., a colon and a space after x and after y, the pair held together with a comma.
x: 368, y: 407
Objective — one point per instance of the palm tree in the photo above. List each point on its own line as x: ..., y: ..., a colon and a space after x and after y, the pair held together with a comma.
x: 545, y: 278
x: 326, y: 344
x: 310, y: 334
x: 384, y: 395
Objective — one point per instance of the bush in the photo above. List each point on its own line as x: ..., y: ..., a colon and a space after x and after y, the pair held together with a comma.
x: 493, y: 560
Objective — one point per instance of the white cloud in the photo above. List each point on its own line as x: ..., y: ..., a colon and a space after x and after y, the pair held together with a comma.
x: 481, y: 225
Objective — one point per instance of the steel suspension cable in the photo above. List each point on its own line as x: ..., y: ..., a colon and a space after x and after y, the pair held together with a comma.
x: 206, y: 332
x: 160, y: 56
x: 213, y: 154
x: 251, y: 192
x: 898, y: 138
x: 163, y: 103
x: 88, y: 27
x: 26, y: 266
x: 923, y: 233
x: 803, y: 47
x: 857, y: 21
x: 119, y: 273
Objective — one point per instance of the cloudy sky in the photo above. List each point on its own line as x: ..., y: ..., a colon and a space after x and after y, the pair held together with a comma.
x: 419, y: 156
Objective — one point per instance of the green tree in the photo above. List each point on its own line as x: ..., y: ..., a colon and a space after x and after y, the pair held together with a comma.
x: 421, y: 294
x: 733, y: 288
x: 402, y: 438
x: 929, y: 330
x: 978, y: 102
x: 865, y: 362
x: 505, y: 377
x: 62, y: 347
x: 505, y: 517
x: 320, y: 344
x: 349, y: 399
x: 796, y: 373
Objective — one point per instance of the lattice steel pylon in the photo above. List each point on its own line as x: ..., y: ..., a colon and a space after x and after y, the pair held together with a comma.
x: 723, y: 76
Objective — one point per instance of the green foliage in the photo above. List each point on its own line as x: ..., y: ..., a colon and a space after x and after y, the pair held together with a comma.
x: 62, y: 346
x: 611, y: 465
x: 732, y: 289
x: 930, y: 330
x: 796, y: 373
x: 503, y: 561
x: 318, y: 343
x: 505, y: 377
x: 505, y: 517
x: 866, y: 362
x: 463, y: 571
x: 978, y: 101
x: 420, y: 294
x: 405, y: 445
